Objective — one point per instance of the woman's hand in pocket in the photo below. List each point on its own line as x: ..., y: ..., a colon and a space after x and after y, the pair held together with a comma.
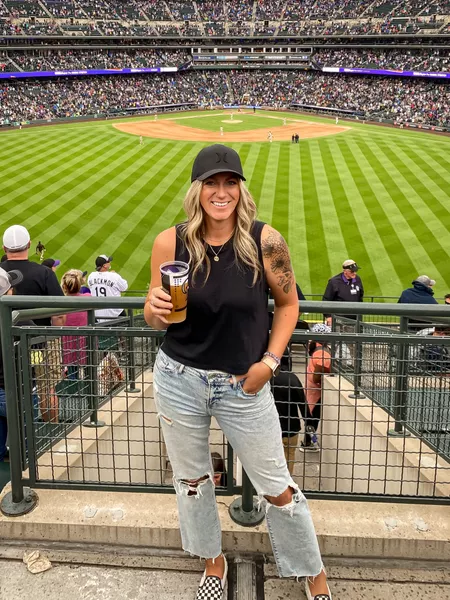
x: 255, y: 378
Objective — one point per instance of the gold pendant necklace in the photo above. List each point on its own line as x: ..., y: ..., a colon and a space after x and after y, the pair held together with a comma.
x: 216, y: 254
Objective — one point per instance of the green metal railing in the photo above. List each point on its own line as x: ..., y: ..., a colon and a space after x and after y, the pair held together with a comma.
x: 380, y: 370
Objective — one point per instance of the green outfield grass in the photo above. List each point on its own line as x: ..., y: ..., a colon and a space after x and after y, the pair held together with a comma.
x: 380, y: 196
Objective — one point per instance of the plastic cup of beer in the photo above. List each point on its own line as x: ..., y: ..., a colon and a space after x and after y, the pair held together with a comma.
x: 174, y: 278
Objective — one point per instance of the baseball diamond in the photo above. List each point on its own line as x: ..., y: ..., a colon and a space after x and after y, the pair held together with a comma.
x: 380, y: 195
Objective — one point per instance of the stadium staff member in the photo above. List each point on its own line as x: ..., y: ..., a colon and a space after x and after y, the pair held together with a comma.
x: 37, y: 281
x: 105, y: 283
x: 344, y: 287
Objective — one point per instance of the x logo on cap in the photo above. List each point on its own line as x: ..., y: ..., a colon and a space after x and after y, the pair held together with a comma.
x: 221, y: 157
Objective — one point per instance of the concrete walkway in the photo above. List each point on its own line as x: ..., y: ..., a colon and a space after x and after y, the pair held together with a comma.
x: 110, y: 583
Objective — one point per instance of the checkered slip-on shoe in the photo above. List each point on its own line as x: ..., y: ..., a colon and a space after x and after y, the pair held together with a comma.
x: 211, y: 587
x: 318, y: 596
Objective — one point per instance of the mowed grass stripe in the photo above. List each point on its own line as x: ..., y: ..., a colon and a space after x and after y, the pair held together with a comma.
x: 37, y: 170
x: 411, y: 182
x: 65, y: 146
x: 37, y: 199
x: 318, y: 258
x: 257, y: 178
x: 367, y: 248
x: 280, y: 208
x: 118, y: 217
x: 268, y: 191
x: 100, y: 195
x: 61, y: 187
x: 436, y: 175
x: 15, y: 157
x: 347, y: 209
x: 435, y: 253
x: 384, y: 212
x: 296, y: 225
x: 334, y: 237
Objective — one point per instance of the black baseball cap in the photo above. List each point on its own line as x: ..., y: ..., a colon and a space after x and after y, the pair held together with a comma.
x: 102, y: 260
x: 216, y: 159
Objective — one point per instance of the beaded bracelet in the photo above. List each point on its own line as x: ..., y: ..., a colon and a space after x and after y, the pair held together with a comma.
x: 274, y: 356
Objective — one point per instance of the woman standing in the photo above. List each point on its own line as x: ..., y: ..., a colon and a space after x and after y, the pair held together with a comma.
x: 74, y: 347
x: 219, y: 361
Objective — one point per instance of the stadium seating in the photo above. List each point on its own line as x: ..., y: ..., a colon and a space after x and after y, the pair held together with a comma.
x: 401, y: 100
x: 235, y: 17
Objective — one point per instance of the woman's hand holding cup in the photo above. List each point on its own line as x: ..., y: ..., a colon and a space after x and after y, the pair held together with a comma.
x: 161, y: 303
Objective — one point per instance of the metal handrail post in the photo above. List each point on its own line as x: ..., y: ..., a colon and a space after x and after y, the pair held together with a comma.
x: 20, y: 500
x: 358, y: 363
x: 132, y: 389
x: 401, y: 385
x: 245, y: 510
x: 92, y: 372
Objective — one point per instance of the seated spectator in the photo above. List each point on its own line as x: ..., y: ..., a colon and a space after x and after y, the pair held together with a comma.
x: 447, y: 299
x: 437, y: 357
x: 319, y: 364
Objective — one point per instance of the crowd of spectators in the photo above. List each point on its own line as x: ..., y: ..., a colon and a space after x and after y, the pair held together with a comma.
x: 31, y: 100
x: 401, y: 100
x: 238, y: 17
x: 405, y: 60
x: 56, y: 60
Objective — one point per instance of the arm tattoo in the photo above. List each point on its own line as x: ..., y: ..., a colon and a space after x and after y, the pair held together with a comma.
x: 275, y: 249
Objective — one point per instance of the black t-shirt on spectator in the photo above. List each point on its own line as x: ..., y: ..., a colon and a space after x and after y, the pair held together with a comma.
x: 37, y: 281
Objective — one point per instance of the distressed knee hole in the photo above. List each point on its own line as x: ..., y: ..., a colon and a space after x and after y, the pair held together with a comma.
x: 286, y: 501
x: 191, y: 487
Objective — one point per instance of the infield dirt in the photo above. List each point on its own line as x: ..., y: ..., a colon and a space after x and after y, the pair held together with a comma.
x: 171, y: 130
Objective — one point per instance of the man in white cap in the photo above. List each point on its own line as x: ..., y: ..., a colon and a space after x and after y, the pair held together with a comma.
x: 105, y: 283
x: 37, y: 281
x: 344, y: 287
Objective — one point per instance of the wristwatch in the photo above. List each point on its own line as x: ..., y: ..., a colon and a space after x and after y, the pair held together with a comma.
x: 273, y: 362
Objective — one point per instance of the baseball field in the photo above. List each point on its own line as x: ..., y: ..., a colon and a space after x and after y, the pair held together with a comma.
x: 380, y: 196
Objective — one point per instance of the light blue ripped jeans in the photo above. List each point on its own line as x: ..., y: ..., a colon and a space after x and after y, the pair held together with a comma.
x: 186, y: 399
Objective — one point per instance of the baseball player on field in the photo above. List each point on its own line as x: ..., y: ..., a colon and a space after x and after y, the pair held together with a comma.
x: 105, y: 283
x: 270, y: 136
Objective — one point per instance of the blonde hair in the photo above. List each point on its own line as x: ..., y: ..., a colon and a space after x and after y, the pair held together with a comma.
x: 193, y: 232
x: 71, y: 282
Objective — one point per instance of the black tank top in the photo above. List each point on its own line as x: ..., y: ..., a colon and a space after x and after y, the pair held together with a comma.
x: 227, y: 323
